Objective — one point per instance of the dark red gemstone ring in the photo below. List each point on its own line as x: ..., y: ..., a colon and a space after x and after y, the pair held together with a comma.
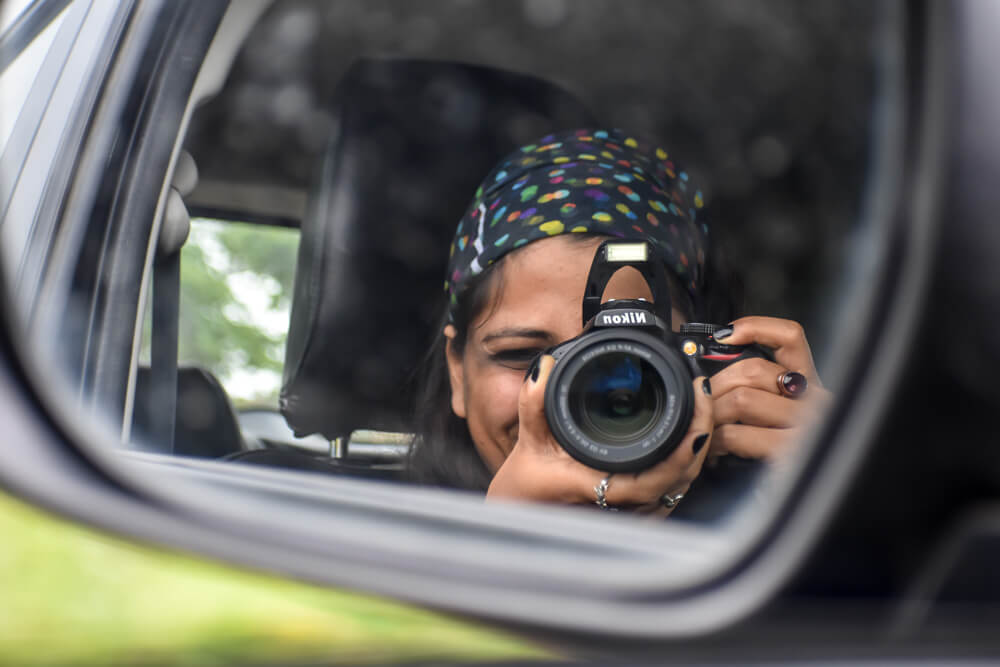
x: 792, y: 384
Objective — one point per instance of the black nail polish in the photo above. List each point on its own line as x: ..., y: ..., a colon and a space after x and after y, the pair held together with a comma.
x: 532, y: 371
x: 706, y: 386
x: 723, y: 333
x: 699, y: 442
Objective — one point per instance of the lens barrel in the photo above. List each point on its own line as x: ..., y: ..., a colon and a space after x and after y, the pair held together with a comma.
x: 618, y: 399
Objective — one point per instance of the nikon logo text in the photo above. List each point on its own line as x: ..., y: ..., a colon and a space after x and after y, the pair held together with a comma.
x: 631, y: 317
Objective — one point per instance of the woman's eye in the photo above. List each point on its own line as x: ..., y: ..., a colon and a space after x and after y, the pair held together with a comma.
x: 519, y: 358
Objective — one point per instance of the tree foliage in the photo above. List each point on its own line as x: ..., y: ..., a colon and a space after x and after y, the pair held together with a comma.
x: 236, y: 285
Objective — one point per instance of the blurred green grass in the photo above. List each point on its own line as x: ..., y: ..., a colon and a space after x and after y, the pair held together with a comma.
x: 73, y: 596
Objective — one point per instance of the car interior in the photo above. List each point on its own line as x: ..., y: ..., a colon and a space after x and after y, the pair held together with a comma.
x: 378, y: 219
x: 397, y: 150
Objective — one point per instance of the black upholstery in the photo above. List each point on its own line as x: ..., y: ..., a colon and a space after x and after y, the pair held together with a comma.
x: 306, y: 462
x: 206, y: 423
x: 412, y: 141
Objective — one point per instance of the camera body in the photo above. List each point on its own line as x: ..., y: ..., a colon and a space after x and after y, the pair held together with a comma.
x: 620, y: 395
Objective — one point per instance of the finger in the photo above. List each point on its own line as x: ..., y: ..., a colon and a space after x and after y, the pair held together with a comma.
x: 693, y: 448
x: 756, y: 373
x: 676, y: 472
x: 754, y: 442
x: 785, y: 337
x: 756, y: 407
x: 533, y: 427
x: 702, y: 422
x: 659, y: 509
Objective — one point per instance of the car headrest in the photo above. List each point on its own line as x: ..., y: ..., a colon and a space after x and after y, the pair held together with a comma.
x: 411, y: 142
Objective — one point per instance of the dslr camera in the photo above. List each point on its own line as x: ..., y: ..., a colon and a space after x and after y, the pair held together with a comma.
x: 620, y: 394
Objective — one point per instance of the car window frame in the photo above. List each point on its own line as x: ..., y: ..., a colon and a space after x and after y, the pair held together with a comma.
x: 125, y: 208
x: 49, y: 127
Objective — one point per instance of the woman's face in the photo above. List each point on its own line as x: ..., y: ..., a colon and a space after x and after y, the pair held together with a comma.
x: 537, y: 307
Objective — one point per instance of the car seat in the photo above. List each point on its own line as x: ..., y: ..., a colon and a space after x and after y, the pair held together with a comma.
x: 206, y: 424
x: 412, y: 141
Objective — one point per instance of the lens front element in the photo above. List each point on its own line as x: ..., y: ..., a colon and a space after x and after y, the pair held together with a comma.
x: 617, y: 398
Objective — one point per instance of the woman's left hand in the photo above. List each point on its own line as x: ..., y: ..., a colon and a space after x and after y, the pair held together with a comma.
x: 753, y: 418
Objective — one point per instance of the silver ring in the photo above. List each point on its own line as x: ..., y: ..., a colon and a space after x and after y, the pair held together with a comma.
x: 668, y: 500
x: 601, y: 490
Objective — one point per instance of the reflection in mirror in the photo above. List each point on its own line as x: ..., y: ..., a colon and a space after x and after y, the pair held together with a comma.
x: 371, y: 254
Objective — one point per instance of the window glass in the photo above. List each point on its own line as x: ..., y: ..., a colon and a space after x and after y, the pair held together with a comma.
x: 236, y: 287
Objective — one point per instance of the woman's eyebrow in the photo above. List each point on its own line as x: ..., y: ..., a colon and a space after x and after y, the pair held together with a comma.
x: 516, y: 332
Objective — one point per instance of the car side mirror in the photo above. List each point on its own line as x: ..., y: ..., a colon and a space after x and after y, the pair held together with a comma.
x: 83, y: 216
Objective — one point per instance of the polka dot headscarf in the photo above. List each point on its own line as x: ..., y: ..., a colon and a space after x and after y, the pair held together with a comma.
x: 594, y: 181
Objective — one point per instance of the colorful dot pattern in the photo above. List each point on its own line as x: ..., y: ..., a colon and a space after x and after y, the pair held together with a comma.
x: 584, y: 181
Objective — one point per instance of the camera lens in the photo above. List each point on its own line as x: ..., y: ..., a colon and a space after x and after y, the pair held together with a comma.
x: 617, y: 398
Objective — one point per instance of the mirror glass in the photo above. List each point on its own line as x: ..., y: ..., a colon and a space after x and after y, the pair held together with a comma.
x: 268, y: 272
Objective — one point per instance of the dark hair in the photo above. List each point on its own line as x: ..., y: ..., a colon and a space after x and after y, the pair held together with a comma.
x: 442, y: 452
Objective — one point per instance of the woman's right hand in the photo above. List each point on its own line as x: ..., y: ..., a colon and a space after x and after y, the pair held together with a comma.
x: 539, y: 469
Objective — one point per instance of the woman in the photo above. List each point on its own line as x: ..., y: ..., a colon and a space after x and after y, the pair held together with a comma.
x: 516, y: 278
